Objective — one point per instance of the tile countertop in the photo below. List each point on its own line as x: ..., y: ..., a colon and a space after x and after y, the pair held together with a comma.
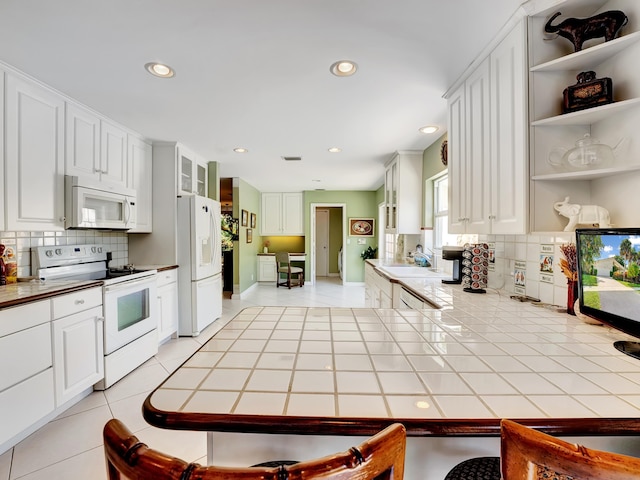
x: 23, y: 292
x: 450, y: 371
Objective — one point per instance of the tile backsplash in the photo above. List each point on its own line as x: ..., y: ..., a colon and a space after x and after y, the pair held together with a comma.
x: 21, y: 242
x: 529, y: 265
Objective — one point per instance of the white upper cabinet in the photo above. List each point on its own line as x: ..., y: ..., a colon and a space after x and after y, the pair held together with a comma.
x: 553, y: 67
x: 192, y: 173
x: 34, y: 161
x: 487, y: 142
x: 82, y: 142
x: 403, y: 193
x: 282, y: 214
x: 95, y: 147
x: 140, y: 178
x: 113, y: 153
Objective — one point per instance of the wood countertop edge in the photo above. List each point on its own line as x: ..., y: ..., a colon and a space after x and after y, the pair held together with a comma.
x: 52, y: 293
x: 437, y: 427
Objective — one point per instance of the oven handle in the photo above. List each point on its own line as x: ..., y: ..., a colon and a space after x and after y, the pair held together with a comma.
x: 128, y: 284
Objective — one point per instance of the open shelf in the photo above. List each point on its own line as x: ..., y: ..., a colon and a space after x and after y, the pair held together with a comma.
x: 586, y: 174
x: 587, y: 58
x: 589, y: 115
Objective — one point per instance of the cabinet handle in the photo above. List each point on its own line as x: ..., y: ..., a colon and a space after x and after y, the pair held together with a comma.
x: 100, y: 319
x: 79, y: 301
x: 63, y: 219
x: 104, y: 171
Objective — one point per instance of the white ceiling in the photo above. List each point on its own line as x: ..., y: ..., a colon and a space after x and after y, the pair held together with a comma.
x: 255, y: 74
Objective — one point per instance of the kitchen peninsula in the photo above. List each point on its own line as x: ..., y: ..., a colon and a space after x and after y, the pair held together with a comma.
x: 449, y: 375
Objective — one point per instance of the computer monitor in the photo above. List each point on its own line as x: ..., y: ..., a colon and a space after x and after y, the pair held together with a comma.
x: 609, y: 280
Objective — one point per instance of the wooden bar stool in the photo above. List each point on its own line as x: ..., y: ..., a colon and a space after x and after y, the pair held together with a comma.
x: 381, y: 457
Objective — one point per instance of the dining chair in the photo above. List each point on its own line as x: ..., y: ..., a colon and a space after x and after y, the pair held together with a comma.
x: 527, y: 454
x: 283, y: 266
x: 380, y: 457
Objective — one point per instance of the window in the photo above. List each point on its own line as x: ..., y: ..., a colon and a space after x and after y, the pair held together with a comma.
x: 441, y: 213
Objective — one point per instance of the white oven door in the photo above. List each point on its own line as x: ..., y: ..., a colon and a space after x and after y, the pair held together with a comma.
x: 129, y: 311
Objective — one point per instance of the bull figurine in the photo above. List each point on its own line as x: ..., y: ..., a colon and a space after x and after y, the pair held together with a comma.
x: 579, y: 30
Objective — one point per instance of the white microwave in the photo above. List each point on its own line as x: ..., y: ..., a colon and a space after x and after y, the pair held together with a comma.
x: 89, y: 203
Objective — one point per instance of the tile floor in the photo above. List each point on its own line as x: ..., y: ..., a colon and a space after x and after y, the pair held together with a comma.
x: 70, y: 446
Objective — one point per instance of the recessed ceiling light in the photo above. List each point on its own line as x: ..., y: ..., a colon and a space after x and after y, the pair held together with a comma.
x: 335, y: 150
x: 343, y: 68
x: 428, y: 129
x: 422, y: 404
x: 240, y: 150
x: 160, y: 70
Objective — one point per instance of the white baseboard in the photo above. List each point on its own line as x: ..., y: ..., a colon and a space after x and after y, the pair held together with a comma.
x: 241, y: 295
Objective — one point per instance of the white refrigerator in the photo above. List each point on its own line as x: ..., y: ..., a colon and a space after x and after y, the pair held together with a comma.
x: 200, y: 262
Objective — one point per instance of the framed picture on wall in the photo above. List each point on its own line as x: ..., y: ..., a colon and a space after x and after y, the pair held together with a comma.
x: 253, y: 220
x: 244, y: 218
x: 249, y: 235
x: 361, y: 227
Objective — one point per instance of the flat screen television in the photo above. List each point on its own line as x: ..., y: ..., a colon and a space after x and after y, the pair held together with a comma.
x: 609, y: 280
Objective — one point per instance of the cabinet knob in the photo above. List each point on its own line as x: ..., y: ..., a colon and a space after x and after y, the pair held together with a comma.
x: 80, y: 301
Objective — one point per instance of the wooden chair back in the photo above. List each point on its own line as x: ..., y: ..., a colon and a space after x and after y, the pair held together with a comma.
x: 528, y: 454
x: 381, y: 457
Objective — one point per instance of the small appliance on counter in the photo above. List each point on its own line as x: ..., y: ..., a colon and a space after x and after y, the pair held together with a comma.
x: 475, y: 267
x: 453, y: 253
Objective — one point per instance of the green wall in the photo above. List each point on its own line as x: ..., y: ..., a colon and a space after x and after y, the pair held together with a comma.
x: 431, y: 166
x: 245, y: 259
x: 359, y: 204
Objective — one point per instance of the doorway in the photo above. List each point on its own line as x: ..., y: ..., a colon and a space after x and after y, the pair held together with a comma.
x: 328, y: 241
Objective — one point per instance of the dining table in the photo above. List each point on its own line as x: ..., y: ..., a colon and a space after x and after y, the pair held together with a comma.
x: 281, y: 375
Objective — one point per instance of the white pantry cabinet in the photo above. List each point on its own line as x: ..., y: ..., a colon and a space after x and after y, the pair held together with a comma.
x: 140, y: 178
x: 403, y: 193
x: 282, y: 214
x: 34, y: 160
x: 2, y: 159
x: 167, y: 282
x: 78, y: 345
x: 553, y: 67
x: 488, y: 143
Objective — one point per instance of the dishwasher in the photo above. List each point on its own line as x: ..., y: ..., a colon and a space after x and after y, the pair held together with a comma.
x: 410, y: 301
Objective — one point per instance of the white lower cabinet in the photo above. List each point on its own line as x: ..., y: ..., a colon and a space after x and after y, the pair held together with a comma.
x: 167, y: 291
x: 267, y: 271
x: 26, y: 373
x: 78, y: 345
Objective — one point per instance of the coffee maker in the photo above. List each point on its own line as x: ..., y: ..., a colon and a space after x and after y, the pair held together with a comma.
x: 454, y: 254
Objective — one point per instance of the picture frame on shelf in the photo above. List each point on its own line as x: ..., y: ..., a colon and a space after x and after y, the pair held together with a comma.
x: 361, y: 227
x: 249, y: 235
x: 253, y: 220
x: 244, y: 218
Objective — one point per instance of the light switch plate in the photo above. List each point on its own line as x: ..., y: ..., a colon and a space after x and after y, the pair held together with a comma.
x: 362, y: 241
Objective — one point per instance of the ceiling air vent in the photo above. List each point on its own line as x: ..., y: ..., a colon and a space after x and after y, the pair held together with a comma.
x: 292, y: 159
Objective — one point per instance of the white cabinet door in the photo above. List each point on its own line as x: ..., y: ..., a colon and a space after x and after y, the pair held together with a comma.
x: 113, y: 154
x: 478, y: 150
x: 78, y: 354
x: 271, y: 218
x: 82, y: 142
x: 458, y: 178
x: 282, y: 214
x: 2, y: 197
x: 140, y: 178
x: 509, y: 173
x: 34, y: 162
x: 292, y: 215
x: 192, y: 172
x: 167, y: 304
x: 267, y: 271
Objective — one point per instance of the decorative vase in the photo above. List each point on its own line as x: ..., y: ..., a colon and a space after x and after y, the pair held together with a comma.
x: 572, y: 295
x: 265, y: 249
